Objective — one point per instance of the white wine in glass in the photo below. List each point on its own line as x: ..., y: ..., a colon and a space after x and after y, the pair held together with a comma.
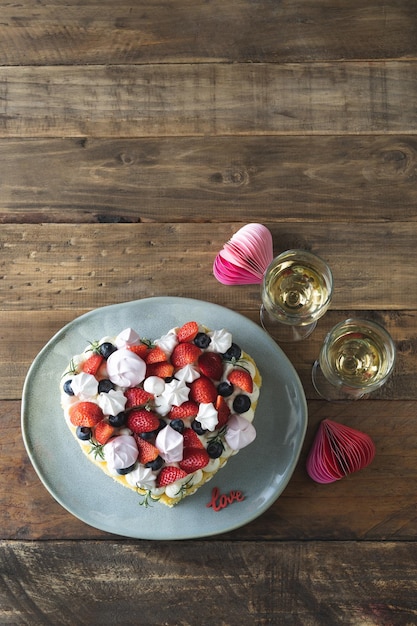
x: 357, y: 357
x: 296, y: 291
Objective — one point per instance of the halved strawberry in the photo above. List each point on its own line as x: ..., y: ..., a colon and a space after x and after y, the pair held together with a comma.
x: 191, y: 439
x: 141, y: 350
x: 155, y: 355
x: 187, y: 332
x: 194, y: 459
x: 185, y: 354
x: 185, y: 410
x: 147, y: 451
x: 137, y: 397
x: 142, y: 421
x: 223, y: 411
x: 211, y: 365
x: 162, y: 369
x: 92, y: 364
x: 85, y: 414
x: 103, y: 431
x: 169, y: 474
x: 242, y: 379
x: 202, y: 390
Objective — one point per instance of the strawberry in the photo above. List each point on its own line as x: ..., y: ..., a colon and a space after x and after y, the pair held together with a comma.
x: 141, y: 350
x: 147, y: 451
x: 162, y: 369
x: 202, y: 390
x: 103, y: 431
x: 211, y: 365
x: 242, y: 379
x: 92, y: 364
x: 194, y: 459
x: 191, y: 439
x: 169, y: 474
x: 142, y: 421
x: 187, y: 332
x: 85, y: 414
x: 223, y: 411
x: 155, y: 355
x: 184, y: 410
x: 185, y: 354
x: 137, y: 397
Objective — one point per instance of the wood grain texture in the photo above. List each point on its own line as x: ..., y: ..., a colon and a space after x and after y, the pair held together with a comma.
x: 209, y: 99
x: 377, y: 503
x: 222, y: 179
x: 55, y: 33
x: 254, y: 583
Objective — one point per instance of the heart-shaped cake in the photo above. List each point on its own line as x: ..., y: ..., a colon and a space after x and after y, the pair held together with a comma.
x: 162, y: 416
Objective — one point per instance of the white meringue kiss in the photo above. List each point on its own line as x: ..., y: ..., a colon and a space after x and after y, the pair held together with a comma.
x: 240, y: 432
x: 120, y: 452
x: 170, y: 444
x: 221, y: 340
x: 113, y: 402
x: 125, y: 368
x: 84, y: 386
x: 176, y: 392
x: 188, y: 373
x: 142, y: 477
x: 128, y: 337
x: 207, y: 416
x: 167, y: 342
x: 154, y: 385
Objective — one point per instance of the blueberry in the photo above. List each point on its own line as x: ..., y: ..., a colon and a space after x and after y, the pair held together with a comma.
x: 118, y: 420
x: 67, y: 387
x: 202, y: 340
x: 147, y: 436
x: 215, y: 449
x: 177, y: 424
x: 234, y: 352
x: 156, y: 464
x: 241, y: 403
x: 225, y: 389
x: 169, y: 379
x: 105, y: 385
x: 197, y: 427
x: 125, y: 470
x: 83, y: 433
x: 106, y: 349
x: 162, y: 424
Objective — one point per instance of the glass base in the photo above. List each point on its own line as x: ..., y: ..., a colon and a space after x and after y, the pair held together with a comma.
x: 330, y: 392
x: 284, y: 333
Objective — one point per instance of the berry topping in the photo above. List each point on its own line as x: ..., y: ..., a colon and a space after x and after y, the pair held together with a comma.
x: 202, y: 340
x: 225, y: 389
x: 137, y: 397
x: 185, y: 354
x: 106, y: 349
x: 185, y: 410
x: 211, y: 365
x: 126, y: 470
x: 233, y: 353
x: 170, y: 474
x: 147, y: 451
x: 162, y: 369
x: 203, y: 390
x: 215, y: 449
x: 85, y: 414
x: 187, y: 332
x: 142, y: 421
x: 242, y: 379
x: 103, y: 431
x: 67, y: 388
x: 191, y: 439
x: 105, y: 385
x: 197, y: 427
x: 241, y: 403
x: 83, y: 433
x: 155, y: 355
x: 194, y: 459
x: 140, y: 349
x: 177, y: 425
x: 156, y: 464
x: 118, y: 420
x: 92, y: 364
x: 223, y: 411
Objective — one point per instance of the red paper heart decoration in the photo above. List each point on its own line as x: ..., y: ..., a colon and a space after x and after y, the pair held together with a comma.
x: 245, y: 257
x: 337, y: 451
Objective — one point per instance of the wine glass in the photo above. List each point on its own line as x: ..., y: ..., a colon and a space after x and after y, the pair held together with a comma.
x: 356, y: 358
x: 297, y: 289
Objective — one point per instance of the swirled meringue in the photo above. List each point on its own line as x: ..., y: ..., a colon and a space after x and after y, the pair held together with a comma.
x: 239, y: 433
x: 142, y: 477
x: 84, y: 386
x: 170, y: 444
x: 188, y: 373
x: 221, y: 340
x: 120, y: 452
x: 112, y: 402
x: 167, y: 342
x: 125, y: 368
x: 154, y: 385
x: 176, y: 392
x: 207, y: 416
x: 128, y: 337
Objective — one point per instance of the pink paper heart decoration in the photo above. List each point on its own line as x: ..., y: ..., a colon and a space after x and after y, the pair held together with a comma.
x: 245, y: 257
x: 337, y: 451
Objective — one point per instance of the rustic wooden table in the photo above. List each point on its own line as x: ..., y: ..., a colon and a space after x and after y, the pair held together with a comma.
x: 135, y: 139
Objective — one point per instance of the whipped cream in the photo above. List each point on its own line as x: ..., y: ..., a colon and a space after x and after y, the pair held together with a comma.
x: 84, y: 386
x: 170, y: 444
x: 120, y: 452
x: 125, y: 368
x: 113, y: 402
x: 207, y: 416
x: 239, y: 433
x: 128, y: 337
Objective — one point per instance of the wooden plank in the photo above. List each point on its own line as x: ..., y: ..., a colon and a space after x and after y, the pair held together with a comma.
x: 56, y: 33
x: 377, y: 503
x: 223, y: 179
x: 25, y: 340
x: 209, y: 99
x: 59, y: 266
x: 172, y: 583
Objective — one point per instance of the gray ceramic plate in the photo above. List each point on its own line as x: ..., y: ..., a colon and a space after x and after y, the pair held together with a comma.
x: 261, y: 471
